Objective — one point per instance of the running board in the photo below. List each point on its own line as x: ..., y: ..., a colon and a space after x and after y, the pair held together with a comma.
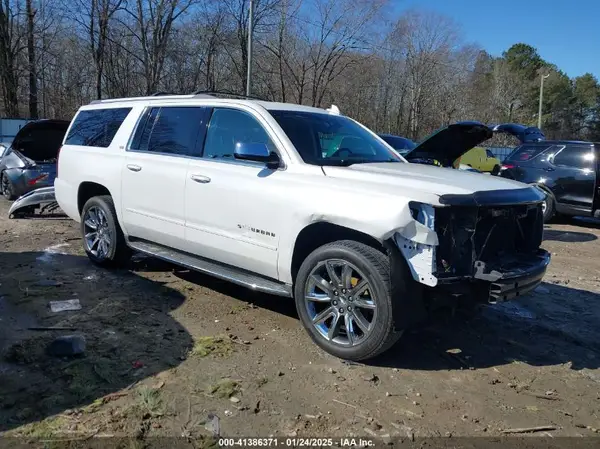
x: 215, y: 269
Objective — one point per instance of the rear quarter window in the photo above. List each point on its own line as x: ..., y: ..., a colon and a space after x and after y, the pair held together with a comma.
x: 526, y: 152
x: 96, y: 127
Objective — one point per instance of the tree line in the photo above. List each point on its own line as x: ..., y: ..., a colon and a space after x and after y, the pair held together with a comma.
x: 405, y: 73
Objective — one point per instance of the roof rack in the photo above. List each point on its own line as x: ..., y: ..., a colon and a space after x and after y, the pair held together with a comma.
x: 213, y: 93
x: 160, y: 94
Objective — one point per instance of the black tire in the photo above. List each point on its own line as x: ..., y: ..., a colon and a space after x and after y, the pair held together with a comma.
x: 375, y: 266
x: 8, y: 189
x: 496, y: 170
x: 550, y: 211
x: 119, y: 253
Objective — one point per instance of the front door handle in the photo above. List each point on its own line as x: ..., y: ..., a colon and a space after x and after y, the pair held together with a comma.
x: 201, y: 179
x: 133, y: 167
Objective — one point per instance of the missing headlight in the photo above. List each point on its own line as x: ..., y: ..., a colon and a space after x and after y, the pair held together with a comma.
x: 423, y: 213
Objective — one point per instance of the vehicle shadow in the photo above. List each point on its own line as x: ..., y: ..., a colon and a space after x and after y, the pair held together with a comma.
x: 124, y: 318
x: 558, y: 235
x: 553, y: 325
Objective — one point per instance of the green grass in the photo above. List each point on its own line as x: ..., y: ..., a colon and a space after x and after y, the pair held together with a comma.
x: 218, y: 345
x: 225, y: 388
x: 150, y: 402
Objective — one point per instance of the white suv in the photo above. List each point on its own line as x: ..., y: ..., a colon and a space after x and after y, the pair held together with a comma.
x: 298, y: 202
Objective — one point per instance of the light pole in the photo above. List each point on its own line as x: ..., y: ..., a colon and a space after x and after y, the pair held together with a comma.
x: 249, y: 69
x: 543, y: 77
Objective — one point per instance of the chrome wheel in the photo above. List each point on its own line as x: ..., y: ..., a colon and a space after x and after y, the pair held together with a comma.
x: 544, y: 206
x: 97, y: 234
x: 340, y: 302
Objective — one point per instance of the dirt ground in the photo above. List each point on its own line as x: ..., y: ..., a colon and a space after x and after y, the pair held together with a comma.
x: 168, y: 349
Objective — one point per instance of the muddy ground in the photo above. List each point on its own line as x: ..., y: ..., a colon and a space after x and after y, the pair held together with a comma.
x: 167, y: 349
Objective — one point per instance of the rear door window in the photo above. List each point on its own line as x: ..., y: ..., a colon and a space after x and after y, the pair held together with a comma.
x: 574, y: 156
x: 171, y: 130
x: 96, y: 127
x: 526, y: 152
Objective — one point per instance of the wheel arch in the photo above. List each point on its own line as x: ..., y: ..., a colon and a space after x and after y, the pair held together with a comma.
x: 320, y: 233
x: 89, y: 189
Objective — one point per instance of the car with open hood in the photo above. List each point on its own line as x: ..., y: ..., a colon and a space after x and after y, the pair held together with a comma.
x: 29, y: 162
x: 298, y: 202
x: 458, y: 143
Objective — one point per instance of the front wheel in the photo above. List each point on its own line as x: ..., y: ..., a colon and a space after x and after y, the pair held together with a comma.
x: 103, y: 239
x: 343, y: 297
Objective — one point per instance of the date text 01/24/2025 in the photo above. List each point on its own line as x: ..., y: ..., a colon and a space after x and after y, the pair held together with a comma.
x: 295, y: 442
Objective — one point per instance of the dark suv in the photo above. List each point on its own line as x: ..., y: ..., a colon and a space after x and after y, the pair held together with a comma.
x: 567, y: 170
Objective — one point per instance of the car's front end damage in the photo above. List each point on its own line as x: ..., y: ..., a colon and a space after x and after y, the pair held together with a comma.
x: 485, y: 245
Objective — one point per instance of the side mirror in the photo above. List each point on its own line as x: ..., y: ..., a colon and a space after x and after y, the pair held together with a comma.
x: 258, y: 152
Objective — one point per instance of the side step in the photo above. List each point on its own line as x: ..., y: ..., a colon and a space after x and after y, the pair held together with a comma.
x: 216, y: 269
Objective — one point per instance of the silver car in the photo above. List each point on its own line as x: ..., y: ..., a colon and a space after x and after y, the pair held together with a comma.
x: 29, y: 162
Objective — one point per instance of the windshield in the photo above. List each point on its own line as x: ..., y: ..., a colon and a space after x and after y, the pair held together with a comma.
x: 323, y: 139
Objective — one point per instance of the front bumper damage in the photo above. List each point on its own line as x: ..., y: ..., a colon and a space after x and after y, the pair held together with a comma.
x: 485, y: 245
x: 43, y: 198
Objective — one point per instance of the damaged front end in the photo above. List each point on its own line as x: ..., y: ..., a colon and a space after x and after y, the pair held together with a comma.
x: 488, y: 244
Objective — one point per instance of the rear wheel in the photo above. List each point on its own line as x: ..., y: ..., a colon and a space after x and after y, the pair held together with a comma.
x: 103, y: 239
x: 8, y: 188
x: 343, y: 297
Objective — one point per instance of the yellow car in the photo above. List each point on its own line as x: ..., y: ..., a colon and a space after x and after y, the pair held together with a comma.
x: 479, y: 158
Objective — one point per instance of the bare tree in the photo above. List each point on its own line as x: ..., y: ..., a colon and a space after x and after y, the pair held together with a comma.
x: 10, y: 49
x: 152, y: 27
x: 33, y: 88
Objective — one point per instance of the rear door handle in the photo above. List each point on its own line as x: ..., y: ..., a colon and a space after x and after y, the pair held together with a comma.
x: 201, y: 179
x: 133, y: 167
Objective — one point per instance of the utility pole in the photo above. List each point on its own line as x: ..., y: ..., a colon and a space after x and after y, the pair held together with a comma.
x: 250, y: 29
x: 543, y: 77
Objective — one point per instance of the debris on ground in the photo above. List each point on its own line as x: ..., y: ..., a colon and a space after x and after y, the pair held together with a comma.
x: 48, y: 283
x: 529, y: 429
x: 212, y: 424
x: 66, y: 346
x: 65, y: 306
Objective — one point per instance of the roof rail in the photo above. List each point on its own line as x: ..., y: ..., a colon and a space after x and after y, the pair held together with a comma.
x: 150, y: 97
x: 160, y: 94
x: 226, y: 93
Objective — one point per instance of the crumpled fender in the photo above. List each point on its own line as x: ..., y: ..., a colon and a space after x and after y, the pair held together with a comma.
x: 377, y: 219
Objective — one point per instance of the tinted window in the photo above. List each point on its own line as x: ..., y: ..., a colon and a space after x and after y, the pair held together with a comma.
x: 142, y: 133
x: 171, y: 130
x: 323, y: 139
x: 227, y: 128
x: 575, y: 156
x: 175, y: 130
x: 526, y: 152
x: 488, y: 153
x: 96, y: 128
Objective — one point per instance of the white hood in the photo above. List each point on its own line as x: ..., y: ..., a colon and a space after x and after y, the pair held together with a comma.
x: 423, y: 178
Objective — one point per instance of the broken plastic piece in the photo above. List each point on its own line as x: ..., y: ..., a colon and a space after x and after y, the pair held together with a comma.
x: 64, y: 306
